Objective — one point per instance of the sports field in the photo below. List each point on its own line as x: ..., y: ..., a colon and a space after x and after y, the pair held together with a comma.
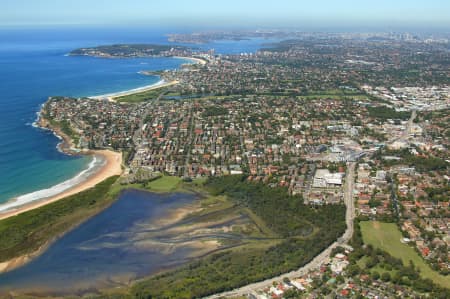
x: 387, y: 236
x: 164, y: 184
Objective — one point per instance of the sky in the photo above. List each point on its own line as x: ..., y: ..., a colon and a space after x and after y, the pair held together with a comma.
x: 227, y: 13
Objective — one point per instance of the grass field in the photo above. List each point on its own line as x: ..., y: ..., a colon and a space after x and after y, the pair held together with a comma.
x: 387, y: 236
x: 164, y: 184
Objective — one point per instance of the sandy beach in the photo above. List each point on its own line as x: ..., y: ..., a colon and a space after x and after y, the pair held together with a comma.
x: 110, y: 168
x: 112, y: 96
x: 193, y: 59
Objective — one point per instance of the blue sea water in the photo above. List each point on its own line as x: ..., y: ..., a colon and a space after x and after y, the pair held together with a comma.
x: 33, y: 66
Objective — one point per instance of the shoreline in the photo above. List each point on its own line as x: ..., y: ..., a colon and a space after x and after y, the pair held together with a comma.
x: 112, y: 165
x: 173, y: 217
x: 66, y: 144
x: 160, y: 84
x: 113, y: 160
x: 22, y: 260
x: 111, y: 96
x: 194, y: 60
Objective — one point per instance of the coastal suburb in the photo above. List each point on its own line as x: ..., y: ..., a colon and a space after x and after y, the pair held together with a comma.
x: 246, y: 151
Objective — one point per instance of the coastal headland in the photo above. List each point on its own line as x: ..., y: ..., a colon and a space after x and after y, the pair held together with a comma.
x: 139, y: 50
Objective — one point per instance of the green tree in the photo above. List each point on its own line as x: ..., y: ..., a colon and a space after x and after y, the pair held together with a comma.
x: 386, y: 276
x: 375, y: 275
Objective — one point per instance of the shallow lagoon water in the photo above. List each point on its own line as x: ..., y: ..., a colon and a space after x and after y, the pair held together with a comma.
x: 119, y: 244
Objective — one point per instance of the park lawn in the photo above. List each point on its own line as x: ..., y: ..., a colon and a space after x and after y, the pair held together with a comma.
x: 164, y: 184
x: 387, y: 236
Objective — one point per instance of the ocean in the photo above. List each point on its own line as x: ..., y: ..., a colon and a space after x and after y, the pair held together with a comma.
x: 34, y: 66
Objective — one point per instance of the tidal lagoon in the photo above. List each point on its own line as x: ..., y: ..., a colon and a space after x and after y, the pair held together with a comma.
x: 134, y: 237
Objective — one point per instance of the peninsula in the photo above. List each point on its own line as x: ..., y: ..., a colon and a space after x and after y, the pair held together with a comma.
x: 133, y: 50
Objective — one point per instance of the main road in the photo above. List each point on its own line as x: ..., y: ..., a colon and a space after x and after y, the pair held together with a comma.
x: 319, y: 259
x: 405, y: 134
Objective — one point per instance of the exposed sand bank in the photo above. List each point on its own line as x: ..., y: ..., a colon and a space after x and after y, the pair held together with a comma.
x: 20, y: 261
